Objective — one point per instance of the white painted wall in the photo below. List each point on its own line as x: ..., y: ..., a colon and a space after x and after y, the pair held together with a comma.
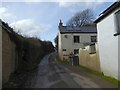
x: 119, y: 57
x: 108, y: 46
x: 89, y: 60
x: 59, y: 46
x: 68, y: 43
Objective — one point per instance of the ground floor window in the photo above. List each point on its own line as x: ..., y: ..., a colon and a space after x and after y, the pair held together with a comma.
x: 64, y: 49
x: 76, y: 51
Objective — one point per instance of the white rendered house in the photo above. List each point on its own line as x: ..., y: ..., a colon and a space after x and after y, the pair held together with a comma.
x: 108, y: 28
x: 71, y: 39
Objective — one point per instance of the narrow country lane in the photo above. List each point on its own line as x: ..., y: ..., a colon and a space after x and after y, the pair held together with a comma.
x: 51, y: 74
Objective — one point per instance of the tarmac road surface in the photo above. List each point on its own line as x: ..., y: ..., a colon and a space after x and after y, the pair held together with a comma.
x: 51, y: 74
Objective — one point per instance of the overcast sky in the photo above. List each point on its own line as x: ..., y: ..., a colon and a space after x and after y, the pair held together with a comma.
x: 41, y: 19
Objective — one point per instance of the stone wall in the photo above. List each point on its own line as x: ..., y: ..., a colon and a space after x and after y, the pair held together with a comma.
x: 8, y: 56
x: 0, y: 55
x: 89, y: 60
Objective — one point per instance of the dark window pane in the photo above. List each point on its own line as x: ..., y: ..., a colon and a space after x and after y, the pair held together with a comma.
x: 93, y: 39
x: 64, y: 49
x: 92, y: 48
x: 76, y: 39
x: 118, y: 21
x: 76, y: 51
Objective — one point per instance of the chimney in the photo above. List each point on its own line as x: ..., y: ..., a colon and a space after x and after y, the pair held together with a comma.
x: 60, y: 23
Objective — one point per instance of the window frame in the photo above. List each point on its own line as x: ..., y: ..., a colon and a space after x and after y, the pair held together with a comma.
x: 64, y: 50
x: 94, y: 39
x: 117, y: 22
x: 92, y: 51
x: 76, y: 50
x: 76, y: 40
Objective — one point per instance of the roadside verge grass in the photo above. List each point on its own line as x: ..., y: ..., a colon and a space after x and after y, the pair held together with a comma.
x: 101, y: 75
x: 96, y: 73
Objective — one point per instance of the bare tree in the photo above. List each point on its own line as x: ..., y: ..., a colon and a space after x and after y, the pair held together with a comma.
x: 81, y: 18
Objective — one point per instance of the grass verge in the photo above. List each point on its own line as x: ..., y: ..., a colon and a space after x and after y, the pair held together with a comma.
x: 98, y: 74
x: 101, y: 75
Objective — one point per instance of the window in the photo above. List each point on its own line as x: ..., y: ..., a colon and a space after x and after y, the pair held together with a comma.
x: 64, y: 49
x: 117, y: 16
x: 92, y: 49
x: 76, y: 39
x: 93, y: 39
x: 76, y: 51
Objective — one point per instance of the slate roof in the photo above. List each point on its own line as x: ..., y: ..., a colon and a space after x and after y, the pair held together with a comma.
x: 83, y: 29
x: 109, y: 10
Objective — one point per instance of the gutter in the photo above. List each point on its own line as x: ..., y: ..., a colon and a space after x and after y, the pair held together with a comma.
x: 108, y: 11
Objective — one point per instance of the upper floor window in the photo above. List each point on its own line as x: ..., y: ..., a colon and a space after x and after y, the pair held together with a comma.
x: 92, y: 48
x: 93, y: 39
x: 117, y: 16
x: 76, y: 39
